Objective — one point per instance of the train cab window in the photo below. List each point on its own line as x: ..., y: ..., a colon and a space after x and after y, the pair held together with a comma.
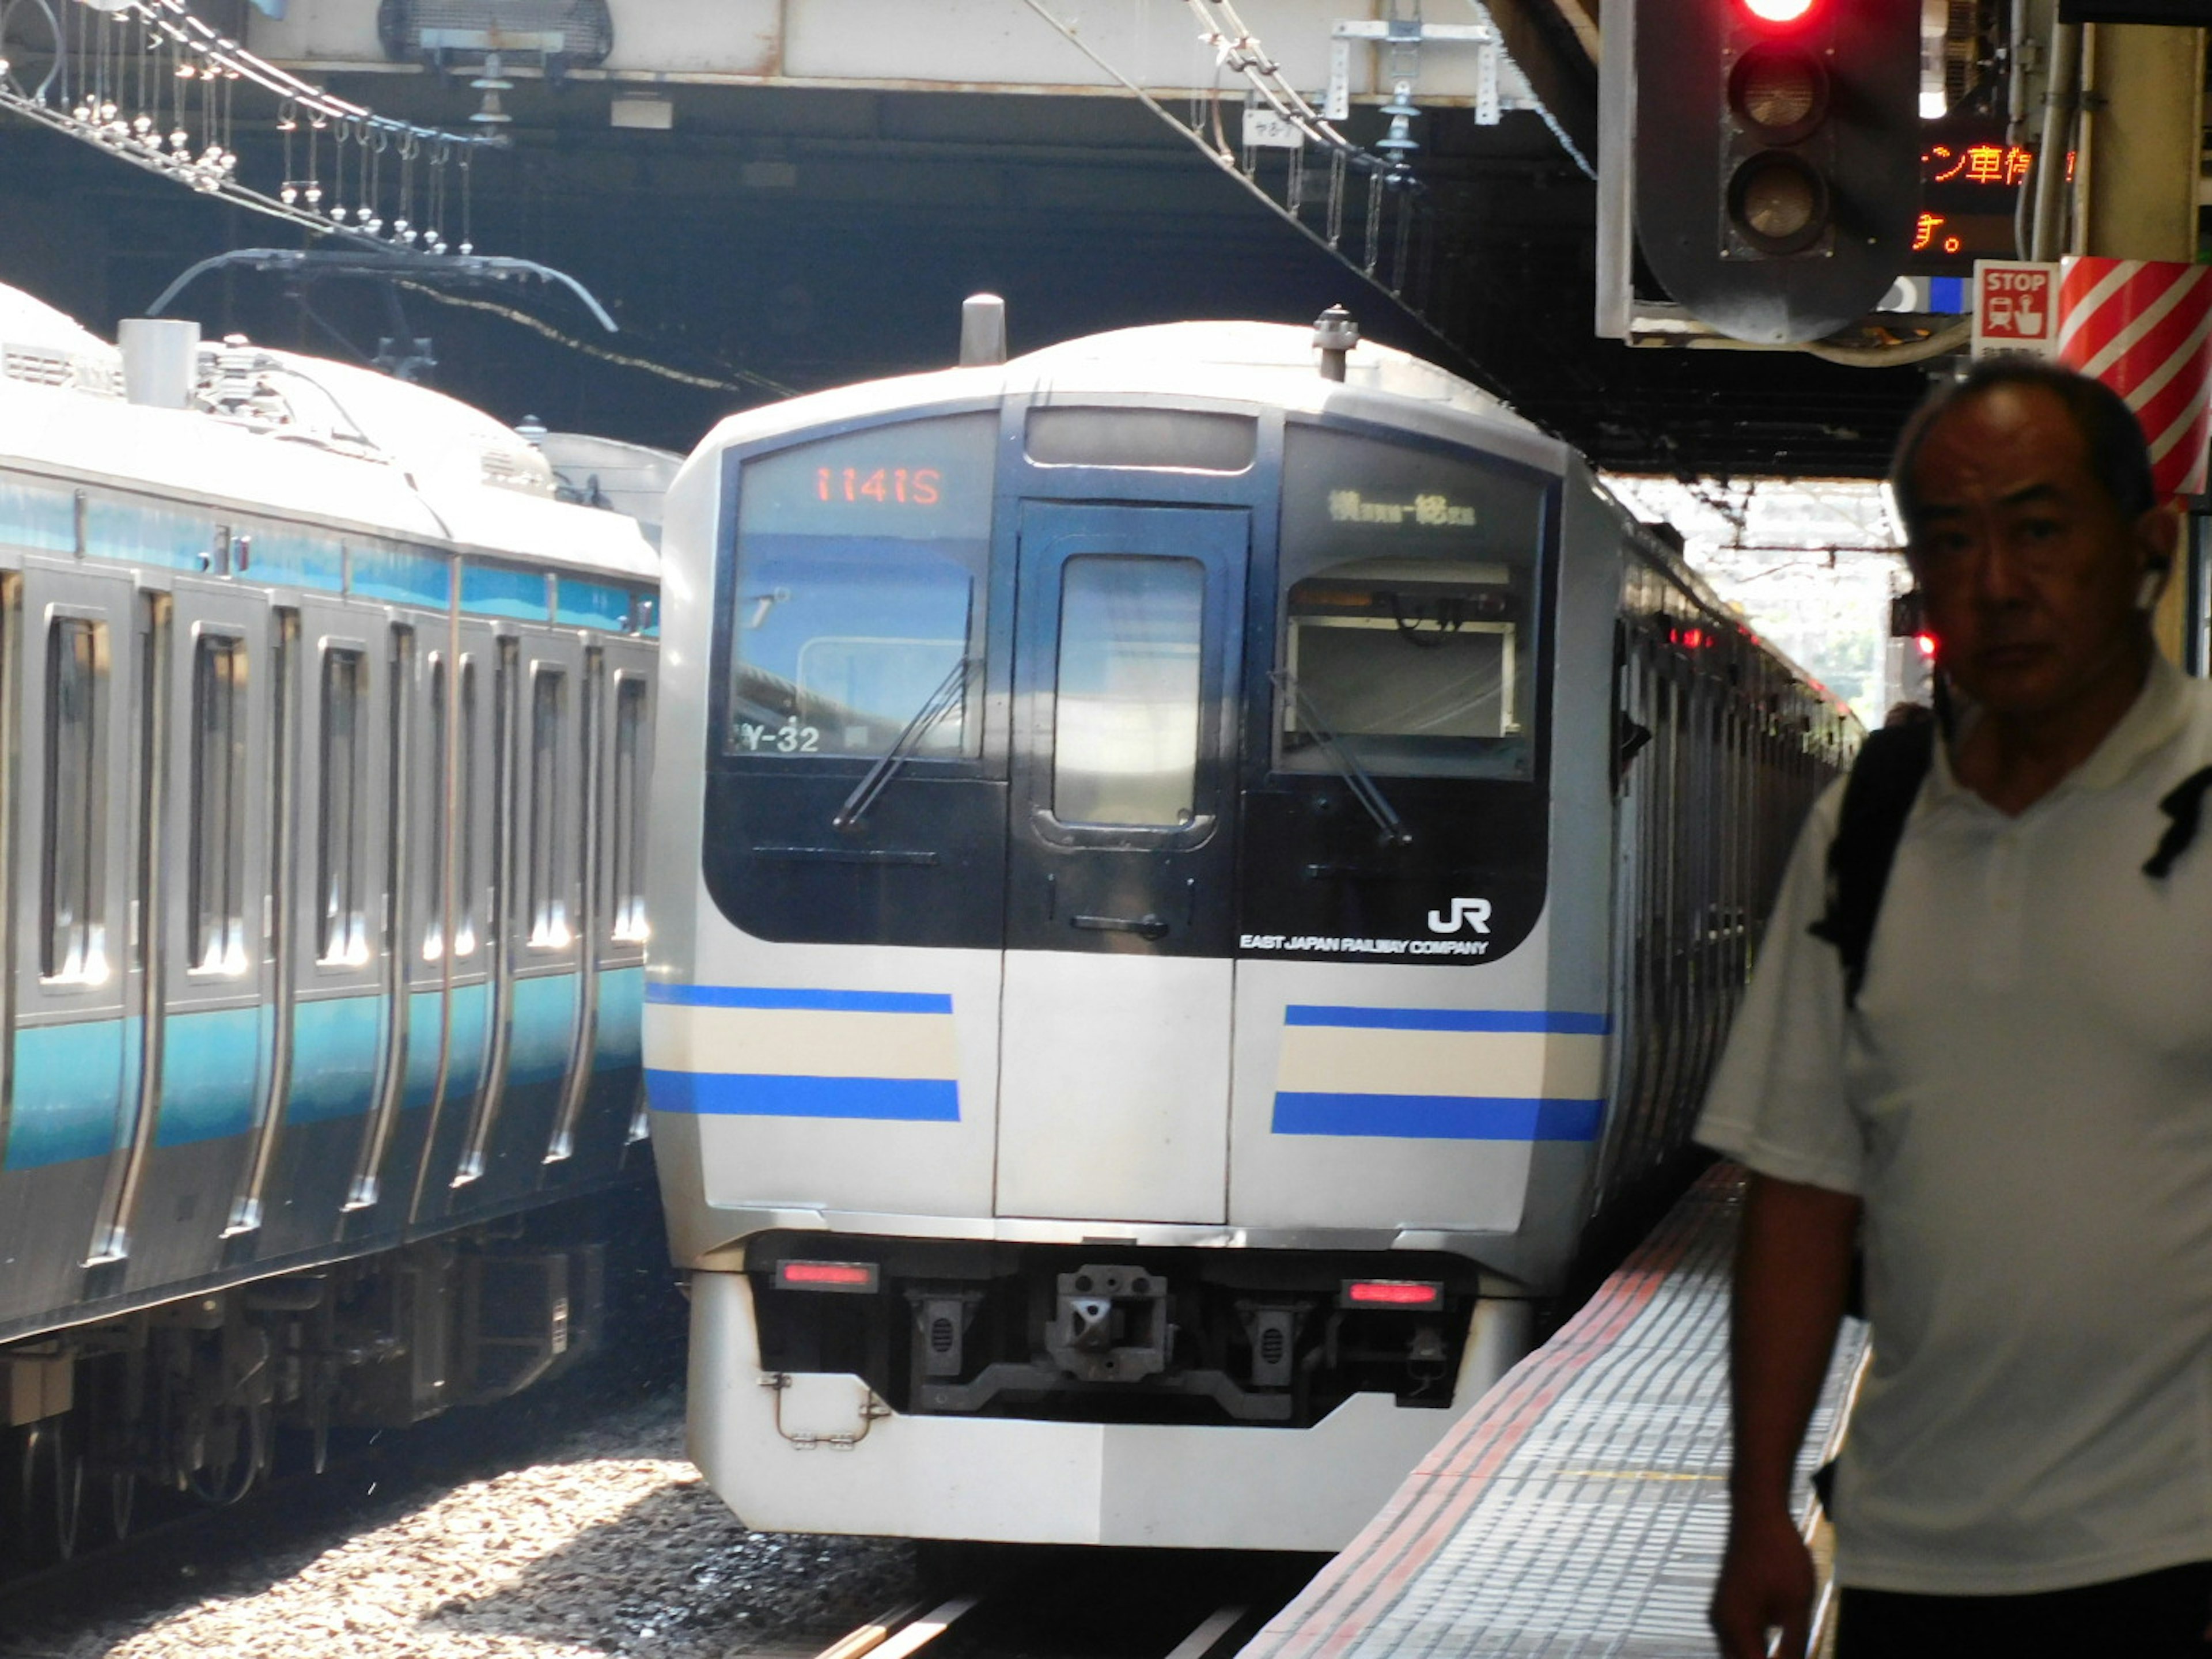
x: 72, y: 930
x: 546, y: 893
x: 341, y: 919
x: 626, y: 850
x: 1126, y: 711
x: 858, y: 603
x: 1409, y: 610
x: 217, y: 876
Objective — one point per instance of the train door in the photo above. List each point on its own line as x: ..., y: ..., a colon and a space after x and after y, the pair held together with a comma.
x: 67, y: 1117
x: 331, y: 943
x: 600, y: 1104
x: 537, y: 996
x: 225, y: 792
x: 460, y: 914
x: 1114, y: 1069
x: 412, y: 783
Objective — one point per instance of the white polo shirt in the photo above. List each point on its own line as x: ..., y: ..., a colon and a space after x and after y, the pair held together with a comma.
x: 2023, y: 1096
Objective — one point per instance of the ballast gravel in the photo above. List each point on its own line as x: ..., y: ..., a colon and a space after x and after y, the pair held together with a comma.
x: 611, y: 1543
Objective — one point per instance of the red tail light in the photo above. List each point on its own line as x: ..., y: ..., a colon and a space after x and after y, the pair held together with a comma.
x: 1781, y: 12
x: 854, y: 1276
x: 1411, y: 1294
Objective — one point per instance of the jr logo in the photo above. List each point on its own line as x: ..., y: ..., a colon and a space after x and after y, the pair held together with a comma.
x: 1472, y: 912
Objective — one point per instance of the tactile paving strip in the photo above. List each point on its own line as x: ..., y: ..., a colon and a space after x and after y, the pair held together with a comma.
x: 1581, y: 1507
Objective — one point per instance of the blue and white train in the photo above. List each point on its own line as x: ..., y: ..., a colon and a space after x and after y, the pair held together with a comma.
x: 325, y: 729
x: 1197, y: 868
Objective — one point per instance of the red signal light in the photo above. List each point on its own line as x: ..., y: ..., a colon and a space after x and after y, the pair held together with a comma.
x: 1393, y: 1293
x: 1927, y: 644
x: 1778, y: 11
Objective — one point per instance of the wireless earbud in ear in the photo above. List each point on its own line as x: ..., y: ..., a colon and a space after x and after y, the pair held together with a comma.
x: 2147, y: 590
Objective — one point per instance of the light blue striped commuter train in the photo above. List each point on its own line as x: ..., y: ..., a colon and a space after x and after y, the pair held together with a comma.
x: 327, y: 729
x: 1201, y: 872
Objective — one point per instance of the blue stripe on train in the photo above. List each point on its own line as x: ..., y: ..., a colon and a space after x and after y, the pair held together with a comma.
x: 622, y: 1008
x: 69, y: 1088
x: 76, y: 1084
x: 1436, y: 1117
x: 420, y: 1087
x: 334, y: 1046
x: 472, y: 1016
x: 746, y: 1094
x: 541, y: 1029
x: 1449, y: 1020
x: 846, y: 1002
x: 210, y: 1075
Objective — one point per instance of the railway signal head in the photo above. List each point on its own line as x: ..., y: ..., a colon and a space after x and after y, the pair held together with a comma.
x: 1776, y: 163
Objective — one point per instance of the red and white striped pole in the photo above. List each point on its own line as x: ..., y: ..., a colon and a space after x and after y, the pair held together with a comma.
x: 2144, y: 328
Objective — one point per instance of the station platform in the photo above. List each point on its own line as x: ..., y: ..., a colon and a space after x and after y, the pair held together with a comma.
x: 1580, y: 1507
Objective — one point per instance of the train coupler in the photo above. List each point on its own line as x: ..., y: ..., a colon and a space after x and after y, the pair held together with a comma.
x: 1111, y: 1325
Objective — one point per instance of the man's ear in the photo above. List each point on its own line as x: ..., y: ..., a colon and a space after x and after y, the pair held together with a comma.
x: 2158, y: 532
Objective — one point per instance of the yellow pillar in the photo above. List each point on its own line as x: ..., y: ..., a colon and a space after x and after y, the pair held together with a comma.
x: 2141, y: 133
x: 2134, y: 183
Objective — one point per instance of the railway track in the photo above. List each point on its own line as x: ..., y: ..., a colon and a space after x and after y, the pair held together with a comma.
x: 1030, y: 1603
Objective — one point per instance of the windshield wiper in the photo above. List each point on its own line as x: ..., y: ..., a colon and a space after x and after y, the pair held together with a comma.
x: 948, y: 695
x: 1364, y: 787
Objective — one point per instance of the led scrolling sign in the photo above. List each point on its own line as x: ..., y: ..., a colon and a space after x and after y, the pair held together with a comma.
x: 1970, y: 182
x: 886, y: 486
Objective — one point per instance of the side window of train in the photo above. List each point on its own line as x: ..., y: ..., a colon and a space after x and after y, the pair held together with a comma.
x: 545, y: 889
x: 453, y: 767
x: 39, y: 518
x: 859, y: 594
x: 72, y: 906
x: 1410, y: 622
x: 1630, y: 736
x: 217, y: 872
x: 341, y: 913
x: 176, y: 538
x: 625, y: 861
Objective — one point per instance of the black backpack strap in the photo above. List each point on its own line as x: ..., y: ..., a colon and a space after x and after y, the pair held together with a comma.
x: 2184, y: 803
x: 1885, y: 781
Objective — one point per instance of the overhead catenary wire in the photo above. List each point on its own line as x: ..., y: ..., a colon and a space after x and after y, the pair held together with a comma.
x: 178, y: 122
x: 1340, y: 158
x: 742, y: 379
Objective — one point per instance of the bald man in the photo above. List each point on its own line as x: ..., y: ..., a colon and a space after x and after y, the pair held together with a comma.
x: 2012, y: 1110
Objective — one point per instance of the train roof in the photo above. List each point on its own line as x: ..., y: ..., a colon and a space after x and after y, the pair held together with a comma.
x: 1268, y: 364
x: 1275, y: 361
x: 299, y: 437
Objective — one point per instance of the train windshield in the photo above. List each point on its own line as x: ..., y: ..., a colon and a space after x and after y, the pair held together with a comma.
x: 1410, y: 602
x: 860, y: 565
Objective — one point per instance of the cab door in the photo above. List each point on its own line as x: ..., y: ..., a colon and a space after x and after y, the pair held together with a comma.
x: 1114, y: 1072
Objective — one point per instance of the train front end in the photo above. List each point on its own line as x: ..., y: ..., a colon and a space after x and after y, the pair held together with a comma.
x: 1127, y: 1026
